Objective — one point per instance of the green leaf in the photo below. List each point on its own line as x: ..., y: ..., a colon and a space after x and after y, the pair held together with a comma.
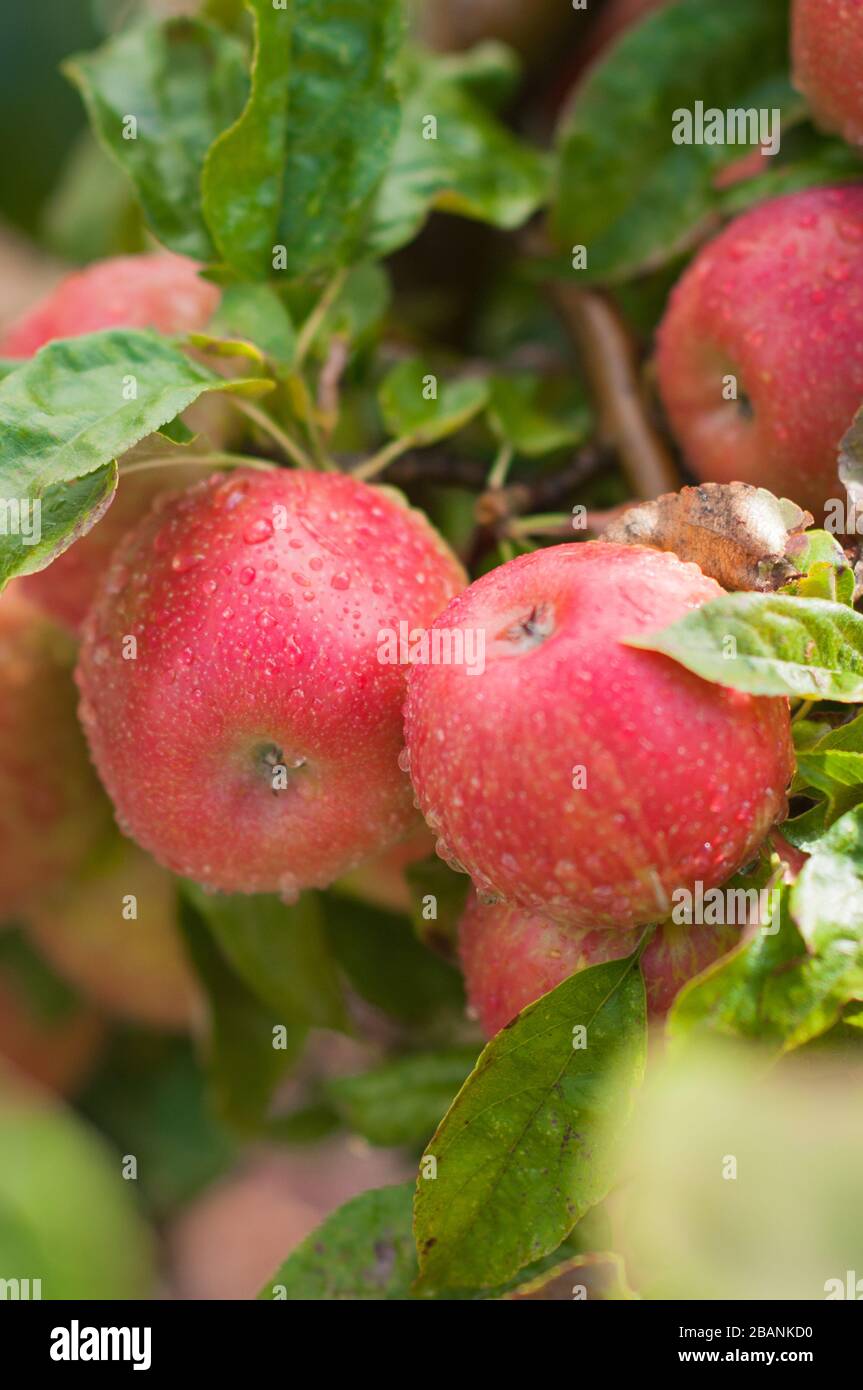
x: 600, y: 1273
x: 150, y: 1098
x: 69, y: 412
x: 625, y: 190
x: 526, y: 1148
x: 256, y: 314
x: 490, y: 71
x: 309, y: 1125
x: 831, y: 762
x: 247, y: 1058
x: 827, y: 903
x: 769, y: 644
x: 743, y: 995
x: 299, y: 167
x: 364, y: 1251
x: 825, y: 769
x: 805, y: 831
x: 468, y: 163
x: 402, y: 1102
x: 785, y: 987
x: 280, y: 952
x: 177, y: 432
x: 518, y: 418
x: 360, y: 304
x: 387, y: 965
x: 183, y: 81
x: 416, y: 405
x: 847, y: 737
x: 824, y: 568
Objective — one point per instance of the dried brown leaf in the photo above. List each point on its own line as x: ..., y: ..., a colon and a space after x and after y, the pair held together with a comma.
x: 736, y: 533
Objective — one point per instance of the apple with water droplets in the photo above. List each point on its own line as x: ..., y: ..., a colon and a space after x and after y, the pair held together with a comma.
x: 826, y: 61
x: 159, y: 291
x: 511, y: 958
x: 233, y: 692
x: 577, y: 776
x: 760, y: 352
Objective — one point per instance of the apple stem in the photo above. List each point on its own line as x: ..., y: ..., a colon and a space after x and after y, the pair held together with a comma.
x: 500, y: 467
x: 384, y: 457
x: 310, y: 328
x: 265, y: 422
x: 549, y: 524
x: 612, y: 369
x: 214, y: 460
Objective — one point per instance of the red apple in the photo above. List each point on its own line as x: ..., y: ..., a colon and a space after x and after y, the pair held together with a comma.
x: 53, y: 813
x: 511, y: 957
x: 160, y: 291
x: 827, y: 59
x: 578, y: 777
x: 113, y: 934
x: 251, y: 741
x: 775, y: 302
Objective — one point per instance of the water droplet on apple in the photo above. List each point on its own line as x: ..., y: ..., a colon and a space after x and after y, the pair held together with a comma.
x: 258, y: 531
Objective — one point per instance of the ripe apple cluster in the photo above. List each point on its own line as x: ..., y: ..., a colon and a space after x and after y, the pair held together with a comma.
x: 250, y: 737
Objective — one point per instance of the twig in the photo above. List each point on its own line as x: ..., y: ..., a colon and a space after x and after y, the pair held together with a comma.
x: 329, y: 382
x: 436, y: 466
x: 498, y: 505
x: 611, y: 366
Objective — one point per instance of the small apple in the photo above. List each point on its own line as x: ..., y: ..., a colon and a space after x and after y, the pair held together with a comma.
x: 235, y: 693
x: 760, y: 352
x: 159, y: 291
x: 511, y: 958
x: 112, y: 933
x: 578, y: 777
x: 53, y: 813
x: 155, y: 291
x: 826, y: 59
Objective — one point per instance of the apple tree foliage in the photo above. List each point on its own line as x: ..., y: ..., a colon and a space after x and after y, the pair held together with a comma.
x: 293, y: 150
